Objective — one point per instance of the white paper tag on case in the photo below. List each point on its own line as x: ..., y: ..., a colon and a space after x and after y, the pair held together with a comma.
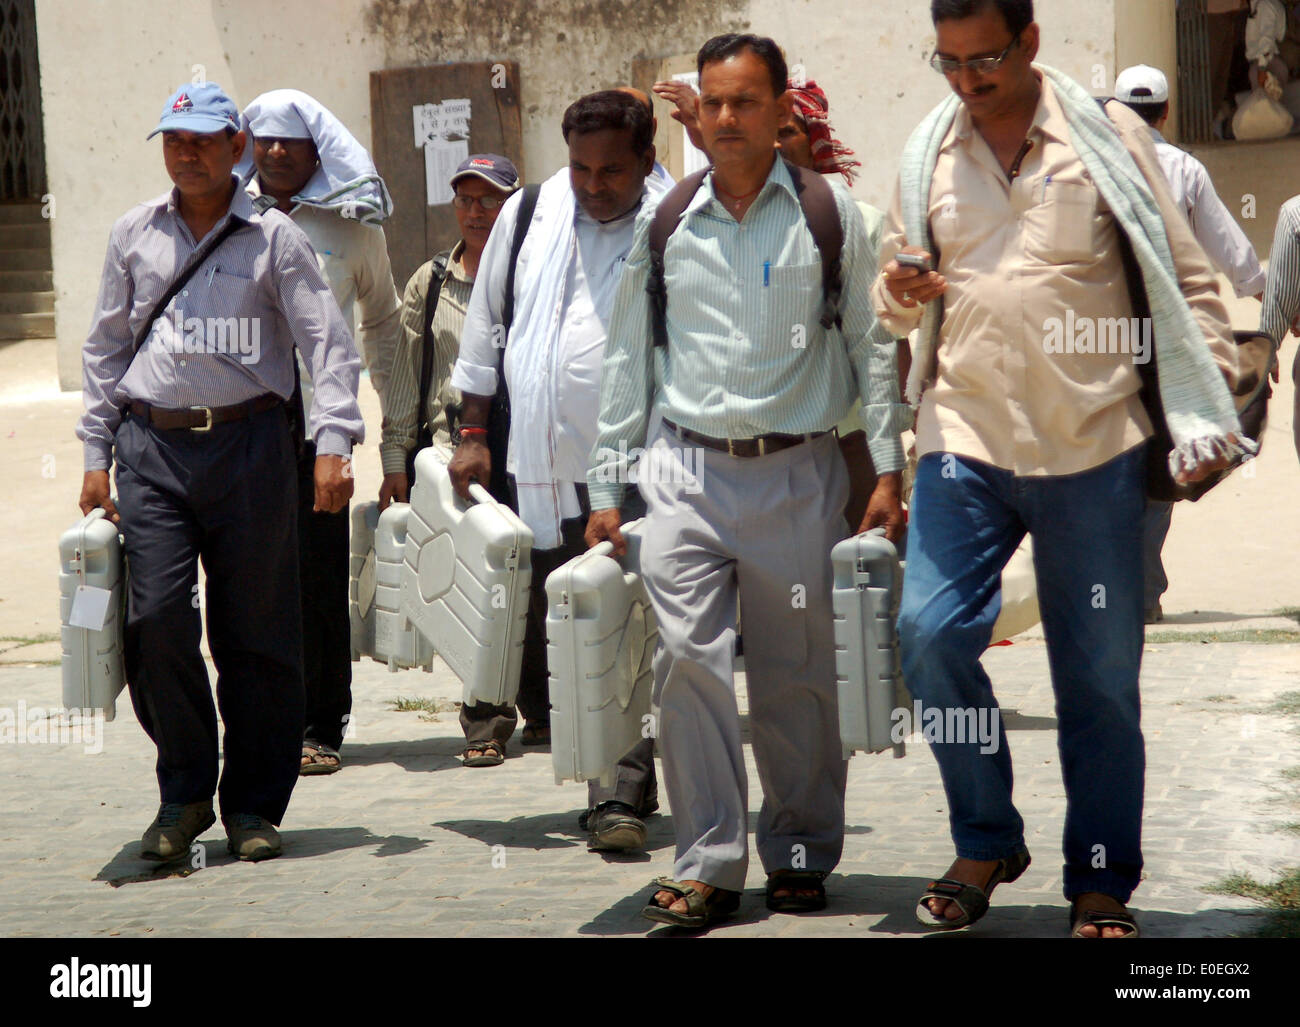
x: 90, y: 607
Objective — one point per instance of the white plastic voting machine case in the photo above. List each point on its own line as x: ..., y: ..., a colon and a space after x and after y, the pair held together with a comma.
x: 464, y: 582
x: 868, y: 583
x: 92, y: 608
x: 379, y: 628
x: 1019, y: 595
x: 601, y: 635
x: 361, y: 584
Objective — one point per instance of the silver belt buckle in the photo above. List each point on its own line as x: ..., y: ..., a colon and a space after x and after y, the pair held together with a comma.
x: 207, y: 413
x: 731, y: 447
x: 762, y: 446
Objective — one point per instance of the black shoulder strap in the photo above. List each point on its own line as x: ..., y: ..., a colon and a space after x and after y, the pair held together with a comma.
x: 498, y: 438
x: 233, y: 224
x: 664, y: 222
x: 524, y: 218
x: 439, y: 275
x: 823, y: 217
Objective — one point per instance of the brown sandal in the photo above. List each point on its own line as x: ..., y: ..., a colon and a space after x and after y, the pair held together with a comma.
x: 491, y: 754
x: 1100, y: 919
x: 318, y: 758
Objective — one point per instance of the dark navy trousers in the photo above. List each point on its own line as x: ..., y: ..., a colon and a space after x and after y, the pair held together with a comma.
x: 323, y: 553
x: 228, y: 497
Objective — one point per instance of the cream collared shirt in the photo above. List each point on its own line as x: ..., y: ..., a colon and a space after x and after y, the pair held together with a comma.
x: 1030, y: 264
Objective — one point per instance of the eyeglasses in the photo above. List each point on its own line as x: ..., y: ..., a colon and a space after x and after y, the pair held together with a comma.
x: 486, y: 202
x: 980, y: 65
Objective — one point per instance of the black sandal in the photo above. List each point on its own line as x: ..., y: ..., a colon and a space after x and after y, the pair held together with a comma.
x: 492, y: 754
x: 701, y: 910
x: 1100, y: 919
x: 970, y: 899
x: 795, y: 881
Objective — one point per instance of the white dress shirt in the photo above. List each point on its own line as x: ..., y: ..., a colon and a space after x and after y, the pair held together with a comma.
x: 591, y: 278
x: 1219, y: 235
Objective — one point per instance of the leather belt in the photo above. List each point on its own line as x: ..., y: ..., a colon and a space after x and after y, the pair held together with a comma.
x: 199, y: 418
x: 763, y: 445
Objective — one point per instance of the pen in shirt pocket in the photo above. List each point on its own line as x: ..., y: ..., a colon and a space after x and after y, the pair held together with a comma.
x: 767, y: 272
x: 1046, y: 182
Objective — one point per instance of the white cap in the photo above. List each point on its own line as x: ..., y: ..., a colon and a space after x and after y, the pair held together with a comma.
x: 1142, y: 84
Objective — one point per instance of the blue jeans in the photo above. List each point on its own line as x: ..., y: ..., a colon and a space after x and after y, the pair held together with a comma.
x: 966, y: 520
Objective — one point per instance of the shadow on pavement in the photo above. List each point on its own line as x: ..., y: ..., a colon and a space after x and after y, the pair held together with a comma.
x: 417, y: 757
x: 1207, y: 617
x: 539, y: 832
x: 1014, y: 720
x: 126, y: 867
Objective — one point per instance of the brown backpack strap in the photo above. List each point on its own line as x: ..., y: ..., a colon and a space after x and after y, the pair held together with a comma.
x: 823, y: 217
x: 665, y: 220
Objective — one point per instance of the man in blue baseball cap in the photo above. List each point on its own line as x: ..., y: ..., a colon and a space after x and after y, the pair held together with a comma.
x: 188, y: 373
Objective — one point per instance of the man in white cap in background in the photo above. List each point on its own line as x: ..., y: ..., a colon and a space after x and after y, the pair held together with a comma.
x: 302, y: 160
x: 1145, y: 91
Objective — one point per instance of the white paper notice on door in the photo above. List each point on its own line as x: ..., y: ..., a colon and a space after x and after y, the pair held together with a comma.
x: 442, y: 131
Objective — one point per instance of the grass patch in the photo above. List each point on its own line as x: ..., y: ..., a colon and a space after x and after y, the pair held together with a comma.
x: 21, y: 640
x: 1266, y: 636
x: 420, y: 705
x: 1292, y: 773
x: 1281, y: 899
x: 1290, y: 612
x: 1293, y: 827
x: 1220, y: 698
x: 1287, y: 703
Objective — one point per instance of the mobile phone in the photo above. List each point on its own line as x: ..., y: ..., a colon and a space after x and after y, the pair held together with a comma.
x: 913, y: 260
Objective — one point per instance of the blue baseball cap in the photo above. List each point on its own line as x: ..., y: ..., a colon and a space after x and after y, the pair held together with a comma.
x: 198, y: 108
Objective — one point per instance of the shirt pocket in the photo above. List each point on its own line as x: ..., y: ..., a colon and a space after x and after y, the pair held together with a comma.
x: 1060, y: 228
x: 231, y: 295
x: 792, y: 297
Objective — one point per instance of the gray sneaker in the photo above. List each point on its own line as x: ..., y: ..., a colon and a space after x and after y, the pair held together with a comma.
x: 174, y: 829
x: 251, y: 837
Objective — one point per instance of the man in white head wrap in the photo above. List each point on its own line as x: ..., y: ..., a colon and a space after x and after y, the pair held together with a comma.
x: 302, y: 160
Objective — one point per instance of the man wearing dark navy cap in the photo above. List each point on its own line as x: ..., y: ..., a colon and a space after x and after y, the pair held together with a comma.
x: 189, y: 396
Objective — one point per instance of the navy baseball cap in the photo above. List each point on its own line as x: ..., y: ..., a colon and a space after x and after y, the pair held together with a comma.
x: 198, y: 108
x: 492, y: 168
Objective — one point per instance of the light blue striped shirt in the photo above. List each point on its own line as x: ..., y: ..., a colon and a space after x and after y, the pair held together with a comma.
x: 746, y: 354
x: 1282, y: 293
x: 227, y: 337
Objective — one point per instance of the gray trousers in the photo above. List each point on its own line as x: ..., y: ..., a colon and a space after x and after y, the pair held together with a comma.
x: 760, y: 530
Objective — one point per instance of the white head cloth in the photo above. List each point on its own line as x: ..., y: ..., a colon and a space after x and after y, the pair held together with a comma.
x: 346, y: 180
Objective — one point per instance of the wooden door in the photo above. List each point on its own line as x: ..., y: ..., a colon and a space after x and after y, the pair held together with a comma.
x: 420, y: 228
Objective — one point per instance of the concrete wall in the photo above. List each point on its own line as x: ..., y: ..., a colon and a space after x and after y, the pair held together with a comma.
x: 107, y: 66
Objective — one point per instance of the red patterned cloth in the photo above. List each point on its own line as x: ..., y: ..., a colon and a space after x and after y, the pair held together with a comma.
x: 812, y: 108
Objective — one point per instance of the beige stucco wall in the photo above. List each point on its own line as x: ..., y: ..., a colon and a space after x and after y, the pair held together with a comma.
x: 869, y: 55
x: 107, y: 66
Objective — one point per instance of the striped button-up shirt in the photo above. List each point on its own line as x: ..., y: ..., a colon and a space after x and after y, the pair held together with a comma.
x: 1282, y: 293
x: 746, y: 354
x: 228, y: 335
x: 401, y: 411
